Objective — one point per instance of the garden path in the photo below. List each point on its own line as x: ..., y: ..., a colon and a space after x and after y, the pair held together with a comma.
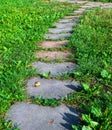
x: 29, y: 116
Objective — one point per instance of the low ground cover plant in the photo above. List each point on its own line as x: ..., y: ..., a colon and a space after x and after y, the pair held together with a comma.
x: 23, y: 24
x: 92, y: 45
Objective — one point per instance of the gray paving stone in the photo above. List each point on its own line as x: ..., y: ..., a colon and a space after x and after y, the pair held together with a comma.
x: 65, y: 21
x: 106, y: 6
x: 50, y: 88
x: 54, y: 68
x: 60, y: 30
x: 57, y: 36
x: 65, y: 25
x: 33, y: 117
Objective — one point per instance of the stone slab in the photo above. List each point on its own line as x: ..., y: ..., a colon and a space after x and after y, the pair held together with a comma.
x: 60, y: 30
x: 65, y: 21
x: 54, y: 68
x: 106, y: 6
x: 65, y: 25
x: 50, y: 88
x: 53, y: 44
x: 60, y: 36
x: 53, y: 55
x: 33, y: 117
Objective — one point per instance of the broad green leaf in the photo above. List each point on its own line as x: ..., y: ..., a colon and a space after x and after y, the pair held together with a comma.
x: 74, y: 127
x: 85, y: 86
x: 104, y: 74
x: 86, y: 128
x: 93, y: 124
x: 86, y: 118
x: 96, y: 111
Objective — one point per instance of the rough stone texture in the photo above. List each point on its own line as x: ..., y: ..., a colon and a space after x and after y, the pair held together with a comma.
x: 60, y: 30
x: 65, y: 20
x: 34, y: 117
x: 57, y: 36
x: 53, y: 55
x: 53, y: 44
x: 50, y: 88
x: 72, y: 1
x: 93, y: 4
x: 106, y: 6
x: 78, y: 11
x: 54, y: 68
x: 65, y: 25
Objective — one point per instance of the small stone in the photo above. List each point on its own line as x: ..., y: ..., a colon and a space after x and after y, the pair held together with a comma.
x: 37, y: 84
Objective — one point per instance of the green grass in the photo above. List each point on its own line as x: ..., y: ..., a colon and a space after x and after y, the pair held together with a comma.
x: 92, y: 45
x: 23, y: 24
x: 102, y: 0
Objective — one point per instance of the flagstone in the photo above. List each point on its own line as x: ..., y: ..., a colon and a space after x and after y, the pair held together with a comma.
x: 34, y: 117
x: 49, y: 88
x: 54, y: 68
x: 60, y: 30
x: 61, y: 36
x: 65, y: 25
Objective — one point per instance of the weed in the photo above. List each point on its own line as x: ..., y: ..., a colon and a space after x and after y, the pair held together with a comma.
x: 92, y: 47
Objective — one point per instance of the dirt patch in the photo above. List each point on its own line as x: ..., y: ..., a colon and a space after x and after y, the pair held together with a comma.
x: 53, y: 44
x: 53, y: 55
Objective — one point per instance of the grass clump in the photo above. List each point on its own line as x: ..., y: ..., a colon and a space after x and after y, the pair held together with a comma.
x: 102, y: 0
x: 23, y: 24
x: 92, y: 45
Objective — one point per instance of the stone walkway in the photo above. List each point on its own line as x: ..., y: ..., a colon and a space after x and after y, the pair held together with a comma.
x: 29, y: 116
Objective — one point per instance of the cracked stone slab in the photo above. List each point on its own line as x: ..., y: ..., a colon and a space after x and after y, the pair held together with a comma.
x: 60, y: 30
x: 50, y: 88
x: 34, y: 117
x: 53, y: 44
x: 54, y: 68
x: 53, y: 55
x: 57, y: 36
